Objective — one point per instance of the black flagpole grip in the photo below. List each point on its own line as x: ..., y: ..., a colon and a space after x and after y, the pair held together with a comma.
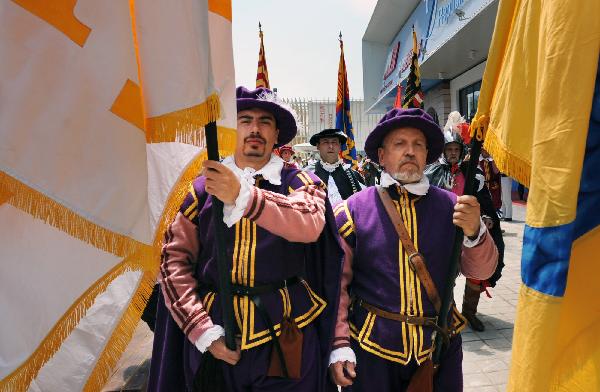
x: 226, y: 300
x: 475, y: 150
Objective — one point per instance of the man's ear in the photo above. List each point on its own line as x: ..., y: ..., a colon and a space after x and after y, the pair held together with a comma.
x: 380, y: 155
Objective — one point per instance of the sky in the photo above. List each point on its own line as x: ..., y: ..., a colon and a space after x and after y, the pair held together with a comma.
x: 301, y: 44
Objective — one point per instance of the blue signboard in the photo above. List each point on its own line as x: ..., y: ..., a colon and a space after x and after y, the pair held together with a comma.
x: 435, y: 22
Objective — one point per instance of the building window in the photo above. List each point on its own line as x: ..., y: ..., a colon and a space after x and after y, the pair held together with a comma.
x: 468, y: 99
x: 434, y: 115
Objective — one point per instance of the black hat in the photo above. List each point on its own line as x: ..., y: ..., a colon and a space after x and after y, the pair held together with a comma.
x: 314, y: 139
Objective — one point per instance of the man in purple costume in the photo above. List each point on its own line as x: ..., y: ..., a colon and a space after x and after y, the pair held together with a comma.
x: 282, y: 245
x: 373, y: 349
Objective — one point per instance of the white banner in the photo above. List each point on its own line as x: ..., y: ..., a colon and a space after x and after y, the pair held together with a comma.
x: 102, y: 108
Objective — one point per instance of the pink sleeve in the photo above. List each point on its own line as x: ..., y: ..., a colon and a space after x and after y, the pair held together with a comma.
x: 178, y: 283
x: 479, y: 262
x: 298, y: 217
x: 342, y: 328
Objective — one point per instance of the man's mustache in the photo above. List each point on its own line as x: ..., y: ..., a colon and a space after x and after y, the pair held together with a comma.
x: 408, y: 160
x: 255, y: 137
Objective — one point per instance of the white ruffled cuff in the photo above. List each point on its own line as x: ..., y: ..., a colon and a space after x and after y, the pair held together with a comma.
x: 232, y: 213
x: 206, y: 339
x: 342, y: 354
x: 472, y: 243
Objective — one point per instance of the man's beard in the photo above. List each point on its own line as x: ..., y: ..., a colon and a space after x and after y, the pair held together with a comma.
x: 255, y: 152
x: 407, y: 177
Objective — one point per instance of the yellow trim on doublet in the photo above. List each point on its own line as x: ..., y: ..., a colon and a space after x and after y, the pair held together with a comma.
x: 306, y: 178
x: 194, y: 204
x: 338, y: 209
x: 410, y: 287
x: 208, y: 300
x: 251, y: 339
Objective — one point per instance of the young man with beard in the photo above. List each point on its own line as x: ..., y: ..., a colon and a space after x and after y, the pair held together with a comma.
x: 384, y: 333
x: 285, y: 277
x: 341, y: 180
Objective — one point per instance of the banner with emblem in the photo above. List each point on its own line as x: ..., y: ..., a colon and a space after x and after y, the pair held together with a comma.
x: 102, y: 109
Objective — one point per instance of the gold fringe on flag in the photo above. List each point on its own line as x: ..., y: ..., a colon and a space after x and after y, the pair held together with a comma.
x: 185, y: 125
x: 126, y: 327
x: 21, y: 377
x: 508, y: 163
x: 122, y: 333
x: 144, y: 257
x: 56, y: 215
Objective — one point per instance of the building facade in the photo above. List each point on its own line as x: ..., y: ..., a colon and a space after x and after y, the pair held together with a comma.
x: 316, y: 115
x: 453, y: 37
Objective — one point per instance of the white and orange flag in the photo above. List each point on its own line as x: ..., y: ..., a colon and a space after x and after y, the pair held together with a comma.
x: 102, y: 109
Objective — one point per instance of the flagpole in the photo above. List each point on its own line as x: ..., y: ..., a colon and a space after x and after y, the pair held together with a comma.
x: 343, y: 82
x: 448, y: 294
x: 226, y: 299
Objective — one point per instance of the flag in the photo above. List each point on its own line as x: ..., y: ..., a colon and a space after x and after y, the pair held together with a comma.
x: 540, y: 103
x: 343, y: 118
x: 102, y: 109
x: 398, y: 101
x: 262, y: 74
x: 413, y: 97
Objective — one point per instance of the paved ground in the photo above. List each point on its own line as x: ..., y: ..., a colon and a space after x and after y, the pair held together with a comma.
x: 486, y: 354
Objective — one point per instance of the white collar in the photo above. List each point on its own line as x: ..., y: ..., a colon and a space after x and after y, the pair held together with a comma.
x: 330, y: 167
x: 270, y: 172
x: 417, y: 188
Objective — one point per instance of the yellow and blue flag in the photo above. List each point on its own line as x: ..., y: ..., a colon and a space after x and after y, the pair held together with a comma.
x: 343, y: 118
x: 540, y: 107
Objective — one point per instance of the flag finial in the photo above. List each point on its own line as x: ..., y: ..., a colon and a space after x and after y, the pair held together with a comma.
x: 259, y: 27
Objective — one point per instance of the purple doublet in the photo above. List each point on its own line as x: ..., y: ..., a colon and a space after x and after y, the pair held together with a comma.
x: 382, y: 276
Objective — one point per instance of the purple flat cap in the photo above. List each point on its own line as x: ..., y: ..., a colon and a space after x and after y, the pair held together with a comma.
x: 263, y: 98
x: 398, y: 118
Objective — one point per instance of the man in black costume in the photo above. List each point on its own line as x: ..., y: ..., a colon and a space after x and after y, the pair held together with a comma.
x: 449, y: 172
x: 342, y: 181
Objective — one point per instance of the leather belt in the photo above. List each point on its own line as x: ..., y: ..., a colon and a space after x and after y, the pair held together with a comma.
x: 253, y: 293
x: 248, y: 291
x: 413, y: 320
